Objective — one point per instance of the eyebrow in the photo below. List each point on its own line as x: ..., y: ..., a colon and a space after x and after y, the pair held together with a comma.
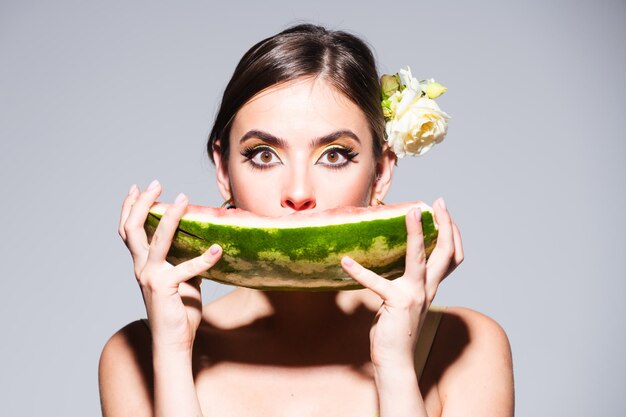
x: 273, y: 140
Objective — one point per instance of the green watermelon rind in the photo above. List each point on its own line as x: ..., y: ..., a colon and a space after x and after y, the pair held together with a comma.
x: 296, y: 258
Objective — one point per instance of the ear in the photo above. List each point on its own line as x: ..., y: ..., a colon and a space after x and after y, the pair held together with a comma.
x: 221, y: 171
x: 384, y: 173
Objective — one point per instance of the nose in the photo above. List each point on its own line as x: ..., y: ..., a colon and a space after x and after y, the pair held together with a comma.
x: 298, y: 193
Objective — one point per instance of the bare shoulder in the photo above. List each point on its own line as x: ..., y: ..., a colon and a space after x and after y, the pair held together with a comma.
x: 473, y: 364
x: 472, y: 330
x: 125, y: 372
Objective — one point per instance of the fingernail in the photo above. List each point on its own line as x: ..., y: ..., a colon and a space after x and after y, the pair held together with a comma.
x: 442, y: 203
x: 132, y: 190
x: 347, y: 261
x: 418, y: 214
x: 154, y: 184
x: 215, y: 248
x: 180, y: 198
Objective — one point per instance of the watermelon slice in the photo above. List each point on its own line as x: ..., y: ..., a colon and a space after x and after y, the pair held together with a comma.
x: 301, y: 251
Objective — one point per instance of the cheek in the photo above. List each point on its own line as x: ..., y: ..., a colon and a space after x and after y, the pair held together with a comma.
x: 256, y: 191
x: 344, y: 188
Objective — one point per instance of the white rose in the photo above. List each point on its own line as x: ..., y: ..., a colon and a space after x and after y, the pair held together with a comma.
x: 408, y: 80
x: 417, y: 128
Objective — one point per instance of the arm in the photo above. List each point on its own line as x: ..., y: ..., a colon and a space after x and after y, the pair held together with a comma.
x: 405, y: 302
x: 475, y: 355
x: 125, y: 373
x: 135, y: 381
x: 173, y: 303
x: 471, y: 359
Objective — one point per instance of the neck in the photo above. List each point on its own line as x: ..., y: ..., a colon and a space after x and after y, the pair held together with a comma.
x: 291, y: 311
x: 303, y: 305
x: 299, y: 327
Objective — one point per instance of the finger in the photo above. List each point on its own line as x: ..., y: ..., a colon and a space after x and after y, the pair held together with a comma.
x: 458, y: 249
x: 136, y: 238
x: 164, y: 233
x: 190, y: 293
x: 367, y: 278
x: 190, y: 288
x: 193, y: 267
x: 443, y: 254
x: 415, y: 252
x: 459, y: 254
x: 126, y: 206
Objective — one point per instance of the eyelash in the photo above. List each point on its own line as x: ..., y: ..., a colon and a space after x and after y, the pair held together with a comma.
x: 347, y: 153
x: 251, y: 152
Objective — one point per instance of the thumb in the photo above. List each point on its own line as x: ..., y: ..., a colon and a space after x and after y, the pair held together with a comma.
x: 193, y: 267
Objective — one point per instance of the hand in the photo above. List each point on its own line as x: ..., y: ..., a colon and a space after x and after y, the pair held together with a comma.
x: 406, y: 300
x: 171, y: 293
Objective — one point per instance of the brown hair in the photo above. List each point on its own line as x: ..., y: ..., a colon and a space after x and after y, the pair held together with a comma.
x: 305, y: 50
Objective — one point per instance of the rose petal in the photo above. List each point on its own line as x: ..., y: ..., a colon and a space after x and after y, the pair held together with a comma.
x: 408, y: 98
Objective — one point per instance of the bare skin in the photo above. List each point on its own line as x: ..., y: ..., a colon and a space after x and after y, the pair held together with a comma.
x: 301, y: 354
x: 231, y: 379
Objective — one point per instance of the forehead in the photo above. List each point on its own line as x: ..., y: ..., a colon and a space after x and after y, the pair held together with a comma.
x: 300, y: 110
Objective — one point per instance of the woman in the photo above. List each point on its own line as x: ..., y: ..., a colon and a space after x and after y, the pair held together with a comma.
x: 301, y: 128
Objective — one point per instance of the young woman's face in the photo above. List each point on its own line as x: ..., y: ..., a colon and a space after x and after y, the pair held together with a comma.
x: 300, y: 146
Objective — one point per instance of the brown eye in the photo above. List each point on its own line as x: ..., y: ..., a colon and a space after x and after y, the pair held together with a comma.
x: 266, y: 157
x: 334, y: 157
x: 262, y: 157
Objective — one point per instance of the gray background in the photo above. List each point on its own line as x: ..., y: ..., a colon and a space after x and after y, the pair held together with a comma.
x: 97, y: 96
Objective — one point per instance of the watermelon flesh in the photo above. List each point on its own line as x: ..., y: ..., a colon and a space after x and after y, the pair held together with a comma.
x: 300, y: 251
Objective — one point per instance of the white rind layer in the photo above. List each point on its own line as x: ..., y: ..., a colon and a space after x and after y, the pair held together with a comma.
x: 336, y: 216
